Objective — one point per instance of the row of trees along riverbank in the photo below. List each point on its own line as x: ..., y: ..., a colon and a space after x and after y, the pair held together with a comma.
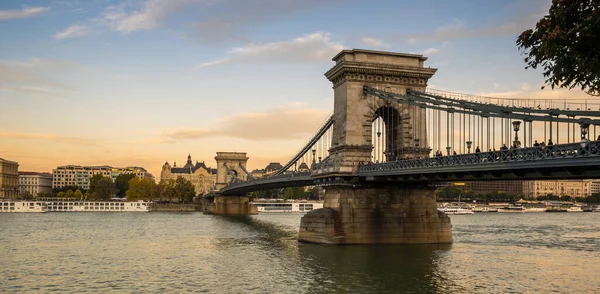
x: 130, y: 186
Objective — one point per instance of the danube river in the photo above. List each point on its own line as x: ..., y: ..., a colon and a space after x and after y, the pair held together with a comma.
x: 162, y: 252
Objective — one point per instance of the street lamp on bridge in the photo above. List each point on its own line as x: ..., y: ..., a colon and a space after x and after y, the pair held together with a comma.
x: 377, y: 148
x: 469, y: 143
x: 584, y: 131
x: 516, y: 124
x: 314, y: 152
x: 448, y: 150
x: 416, y: 150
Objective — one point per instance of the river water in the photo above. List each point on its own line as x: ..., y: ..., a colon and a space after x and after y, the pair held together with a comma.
x: 192, y: 252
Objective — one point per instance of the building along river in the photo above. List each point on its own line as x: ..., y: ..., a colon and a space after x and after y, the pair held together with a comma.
x: 192, y: 252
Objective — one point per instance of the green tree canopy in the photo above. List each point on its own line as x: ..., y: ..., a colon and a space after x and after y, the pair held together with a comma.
x: 141, y: 189
x: 565, y: 44
x: 184, y: 190
x: 60, y: 194
x: 165, y: 190
x: 104, y: 189
x: 94, y: 182
x: 69, y: 193
x: 295, y: 193
x: 78, y: 194
x: 65, y: 189
x: 122, y: 183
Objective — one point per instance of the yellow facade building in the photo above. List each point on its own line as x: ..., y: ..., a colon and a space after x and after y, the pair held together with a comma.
x: 9, y: 179
x: 202, y: 177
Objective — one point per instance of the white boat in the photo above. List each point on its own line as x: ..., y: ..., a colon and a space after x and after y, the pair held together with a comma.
x: 484, y: 209
x: 270, y: 207
x: 96, y: 206
x: 455, y: 210
x: 575, y: 209
x: 512, y: 208
x: 536, y: 209
x: 22, y: 206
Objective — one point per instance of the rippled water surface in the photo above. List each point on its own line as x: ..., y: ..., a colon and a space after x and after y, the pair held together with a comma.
x: 162, y: 252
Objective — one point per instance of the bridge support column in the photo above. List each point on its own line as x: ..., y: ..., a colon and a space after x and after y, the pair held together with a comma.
x: 383, y: 215
x: 232, y: 205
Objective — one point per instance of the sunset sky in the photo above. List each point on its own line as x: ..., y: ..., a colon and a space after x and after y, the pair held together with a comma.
x: 141, y: 82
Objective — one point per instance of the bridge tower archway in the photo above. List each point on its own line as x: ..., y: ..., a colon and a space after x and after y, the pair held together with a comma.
x: 355, y: 113
x: 230, y: 164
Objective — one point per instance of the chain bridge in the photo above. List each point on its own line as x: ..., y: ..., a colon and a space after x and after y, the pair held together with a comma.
x: 390, y: 137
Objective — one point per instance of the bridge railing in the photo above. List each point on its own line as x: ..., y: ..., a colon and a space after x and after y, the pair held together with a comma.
x: 500, y: 157
x: 277, y: 178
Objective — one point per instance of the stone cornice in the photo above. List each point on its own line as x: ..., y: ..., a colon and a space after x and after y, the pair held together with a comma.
x: 376, y: 52
x: 380, y: 73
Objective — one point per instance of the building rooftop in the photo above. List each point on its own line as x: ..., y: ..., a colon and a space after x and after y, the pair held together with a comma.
x: 273, y: 166
x: 26, y: 173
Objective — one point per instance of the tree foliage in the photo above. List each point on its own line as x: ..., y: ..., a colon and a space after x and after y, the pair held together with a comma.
x: 69, y: 193
x: 94, y: 182
x: 104, y: 189
x: 296, y: 193
x: 64, y: 189
x: 565, y: 44
x: 141, y: 189
x: 77, y: 194
x: 165, y: 190
x: 184, y: 190
x: 122, y: 183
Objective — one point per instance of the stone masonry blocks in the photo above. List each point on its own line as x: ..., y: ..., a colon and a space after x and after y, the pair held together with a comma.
x: 385, y: 215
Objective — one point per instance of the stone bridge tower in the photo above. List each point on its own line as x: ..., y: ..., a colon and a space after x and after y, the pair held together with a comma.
x: 354, y: 112
x: 229, y: 165
x: 375, y: 213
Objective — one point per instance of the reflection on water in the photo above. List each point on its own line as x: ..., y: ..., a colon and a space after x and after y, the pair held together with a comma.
x: 374, y: 269
x: 162, y: 252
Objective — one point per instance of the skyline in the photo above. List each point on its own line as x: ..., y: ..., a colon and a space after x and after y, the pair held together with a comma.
x: 138, y: 83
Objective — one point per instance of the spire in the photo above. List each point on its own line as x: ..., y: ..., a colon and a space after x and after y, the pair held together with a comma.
x: 174, y: 163
x: 189, y: 159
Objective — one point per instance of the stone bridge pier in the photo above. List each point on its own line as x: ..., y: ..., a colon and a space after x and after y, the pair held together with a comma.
x: 231, y: 165
x: 378, y: 215
x: 356, y: 211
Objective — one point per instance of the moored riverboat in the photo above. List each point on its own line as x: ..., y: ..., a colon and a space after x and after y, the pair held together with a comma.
x: 22, y: 206
x: 455, y: 210
x: 484, y: 209
x: 512, y: 208
x: 97, y: 206
x: 271, y: 207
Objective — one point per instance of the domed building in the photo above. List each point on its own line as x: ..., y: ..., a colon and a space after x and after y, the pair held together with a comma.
x: 202, y: 177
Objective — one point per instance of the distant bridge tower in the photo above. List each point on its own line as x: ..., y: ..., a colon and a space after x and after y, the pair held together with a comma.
x: 354, y: 112
x: 230, y: 165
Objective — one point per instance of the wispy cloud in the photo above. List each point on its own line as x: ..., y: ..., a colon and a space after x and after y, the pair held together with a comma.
x: 52, y: 138
x: 21, y: 13
x: 314, y: 47
x: 459, y: 29
x: 127, y: 17
x: 35, y: 75
x: 72, y: 32
x: 374, y: 42
x: 430, y: 51
x: 281, y: 123
x: 149, y: 16
x: 229, y: 20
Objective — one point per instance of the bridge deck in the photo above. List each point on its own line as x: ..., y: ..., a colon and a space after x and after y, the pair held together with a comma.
x: 535, y: 163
